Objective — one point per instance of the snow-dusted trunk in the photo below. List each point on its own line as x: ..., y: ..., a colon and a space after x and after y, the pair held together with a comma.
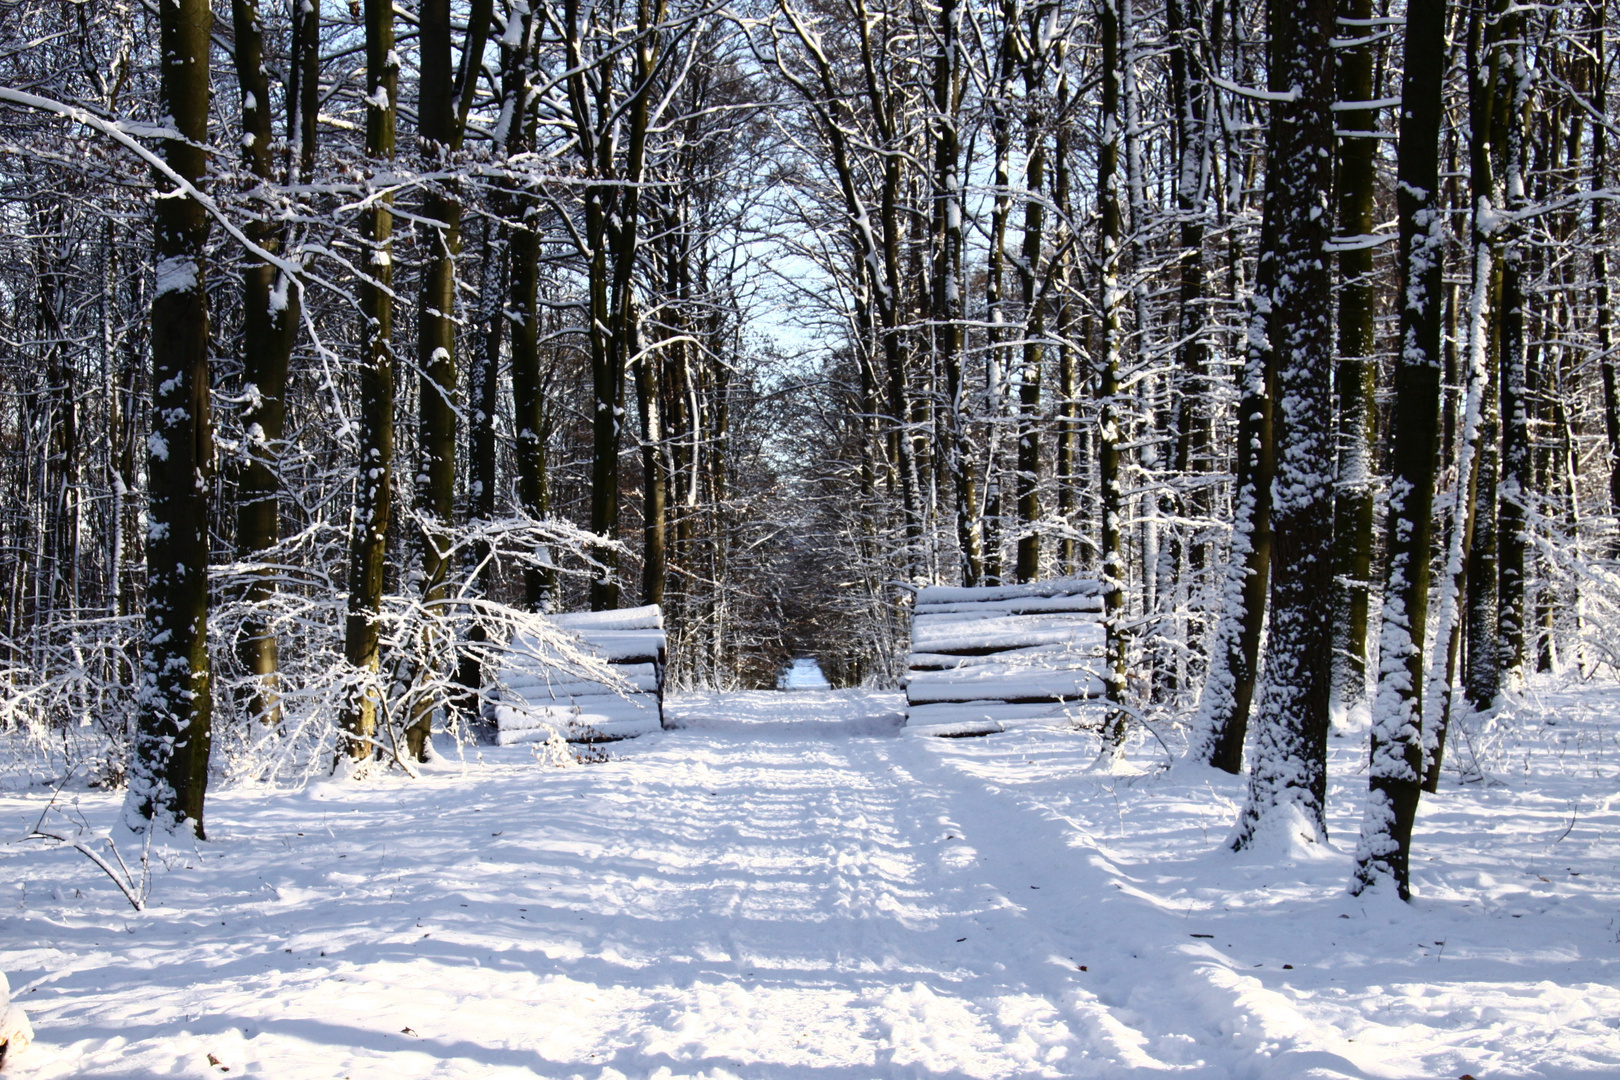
x: 435, y: 332
x: 1356, y: 378
x: 654, y: 563
x: 1110, y: 235
x: 373, y: 503
x: 612, y: 130
x: 1220, y: 728
x: 522, y: 312
x: 1516, y: 487
x: 995, y: 299
x: 1029, y: 279
x: 168, y: 773
x: 270, y: 315
x: 1190, y: 99
x: 1602, y: 311
x: 949, y: 333
x: 1438, y: 689
x: 1288, y: 777
x: 1396, y: 765
x: 1481, y: 673
x: 483, y: 401
x: 1487, y: 30
x: 1067, y: 407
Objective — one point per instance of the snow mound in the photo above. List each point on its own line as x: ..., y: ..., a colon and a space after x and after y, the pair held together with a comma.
x: 15, y: 1030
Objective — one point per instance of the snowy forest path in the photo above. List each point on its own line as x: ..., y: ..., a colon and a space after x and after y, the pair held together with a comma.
x: 784, y: 886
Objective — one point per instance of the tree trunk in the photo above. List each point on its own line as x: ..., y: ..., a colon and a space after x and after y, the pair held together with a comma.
x: 1396, y: 767
x: 368, y: 547
x: 1068, y: 465
x: 1487, y: 30
x: 1228, y: 694
x: 168, y: 776
x: 1110, y: 236
x: 654, y: 564
x: 1290, y: 763
x: 1507, y: 632
x: 1358, y: 366
x: 947, y: 288
x: 1193, y: 428
x: 522, y: 304
x: 270, y: 316
x: 1601, y: 305
x: 1029, y: 267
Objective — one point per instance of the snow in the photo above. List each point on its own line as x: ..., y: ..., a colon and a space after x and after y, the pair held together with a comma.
x: 988, y: 658
x: 175, y: 274
x: 788, y: 886
x: 804, y: 674
x: 547, y: 695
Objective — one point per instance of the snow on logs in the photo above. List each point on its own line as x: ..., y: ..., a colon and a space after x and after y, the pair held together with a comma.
x: 543, y: 694
x: 15, y: 1031
x: 985, y: 659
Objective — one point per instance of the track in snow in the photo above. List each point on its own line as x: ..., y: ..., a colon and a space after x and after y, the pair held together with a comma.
x: 785, y: 887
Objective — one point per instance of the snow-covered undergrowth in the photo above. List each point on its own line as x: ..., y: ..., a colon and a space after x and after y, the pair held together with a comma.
x: 787, y: 887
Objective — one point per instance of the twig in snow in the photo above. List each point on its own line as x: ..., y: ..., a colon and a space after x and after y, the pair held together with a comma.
x: 134, y: 891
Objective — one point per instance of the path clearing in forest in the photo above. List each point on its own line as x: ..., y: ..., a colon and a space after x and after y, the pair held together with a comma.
x: 789, y: 886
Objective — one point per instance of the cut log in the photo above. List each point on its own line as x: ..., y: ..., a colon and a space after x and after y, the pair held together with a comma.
x: 542, y: 695
x: 987, y: 659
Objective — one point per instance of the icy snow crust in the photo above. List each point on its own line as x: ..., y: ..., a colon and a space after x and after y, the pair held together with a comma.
x: 792, y: 887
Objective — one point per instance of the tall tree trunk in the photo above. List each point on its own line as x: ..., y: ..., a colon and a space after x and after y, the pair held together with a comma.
x: 1481, y: 670
x: 1068, y: 465
x: 995, y: 290
x: 1602, y: 309
x: 1487, y: 30
x: 443, y: 99
x: 1517, y: 486
x: 654, y: 562
x: 1193, y: 429
x: 483, y: 400
x: 168, y: 776
x: 304, y: 89
x: 368, y: 545
x: 1228, y: 694
x: 947, y: 288
x: 612, y: 234
x: 435, y: 337
x: 1396, y: 765
x: 1358, y: 366
x: 522, y: 305
x: 1289, y: 770
x: 271, y: 302
x: 1110, y: 237
x: 1029, y: 267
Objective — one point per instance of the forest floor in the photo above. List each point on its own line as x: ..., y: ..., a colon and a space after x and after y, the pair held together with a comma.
x: 790, y: 888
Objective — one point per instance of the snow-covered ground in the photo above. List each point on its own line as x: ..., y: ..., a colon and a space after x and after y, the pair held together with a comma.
x: 789, y: 887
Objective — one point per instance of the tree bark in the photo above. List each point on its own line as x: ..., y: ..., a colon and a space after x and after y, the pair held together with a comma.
x: 1110, y: 238
x: 1290, y: 763
x: 1516, y: 487
x: 1029, y: 278
x: 168, y: 776
x: 1396, y: 765
x: 368, y: 545
x: 1228, y: 694
x: 1356, y: 377
x: 271, y: 302
x: 1601, y: 305
x: 949, y: 335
